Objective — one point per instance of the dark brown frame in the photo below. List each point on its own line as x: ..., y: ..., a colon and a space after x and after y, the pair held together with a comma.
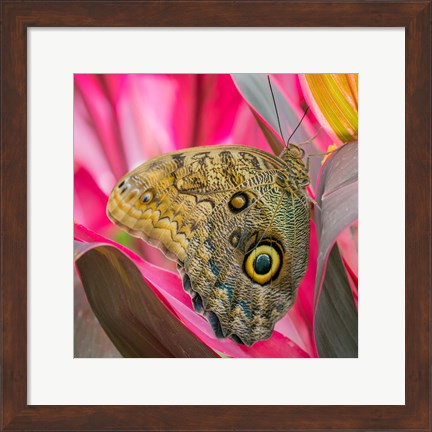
x: 18, y: 16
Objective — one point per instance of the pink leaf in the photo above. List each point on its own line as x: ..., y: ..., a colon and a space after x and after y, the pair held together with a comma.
x: 205, y: 109
x: 89, y: 201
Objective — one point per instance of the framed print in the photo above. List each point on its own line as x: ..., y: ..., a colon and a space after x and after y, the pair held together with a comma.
x: 108, y: 105
x: 253, y: 304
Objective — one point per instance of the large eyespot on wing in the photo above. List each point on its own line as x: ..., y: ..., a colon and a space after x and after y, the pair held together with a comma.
x: 263, y: 263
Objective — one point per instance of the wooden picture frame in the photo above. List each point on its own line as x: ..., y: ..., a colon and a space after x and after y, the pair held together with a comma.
x: 18, y: 16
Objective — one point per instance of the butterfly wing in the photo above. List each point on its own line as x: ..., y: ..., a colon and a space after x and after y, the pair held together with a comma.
x: 237, y: 223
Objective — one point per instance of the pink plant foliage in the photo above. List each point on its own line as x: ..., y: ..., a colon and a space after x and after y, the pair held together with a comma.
x: 122, y: 120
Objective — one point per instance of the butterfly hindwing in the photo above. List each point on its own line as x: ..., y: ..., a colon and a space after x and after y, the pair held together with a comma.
x: 224, y: 255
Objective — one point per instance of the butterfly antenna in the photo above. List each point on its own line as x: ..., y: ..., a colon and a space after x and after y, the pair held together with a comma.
x: 274, y: 103
x: 300, y: 122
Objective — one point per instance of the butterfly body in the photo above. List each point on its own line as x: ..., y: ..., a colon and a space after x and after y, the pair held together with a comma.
x: 237, y: 221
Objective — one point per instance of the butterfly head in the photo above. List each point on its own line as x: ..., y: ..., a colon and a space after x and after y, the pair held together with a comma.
x: 292, y: 155
x: 292, y: 152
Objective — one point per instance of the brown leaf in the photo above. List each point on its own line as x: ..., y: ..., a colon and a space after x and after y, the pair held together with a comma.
x: 135, y: 320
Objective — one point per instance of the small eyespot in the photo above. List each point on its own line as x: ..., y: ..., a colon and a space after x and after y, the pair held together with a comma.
x: 263, y: 263
x: 234, y: 240
x: 235, y: 237
x: 147, y: 196
x: 238, y: 202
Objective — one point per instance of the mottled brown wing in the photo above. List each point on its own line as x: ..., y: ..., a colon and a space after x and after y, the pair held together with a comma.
x: 164, y: 199
x: 221, y: 211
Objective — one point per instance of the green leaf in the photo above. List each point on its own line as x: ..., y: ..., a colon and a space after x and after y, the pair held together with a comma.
x: 336, y: 318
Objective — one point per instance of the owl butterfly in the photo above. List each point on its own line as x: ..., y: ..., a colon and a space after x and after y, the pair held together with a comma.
x: 236, y: 219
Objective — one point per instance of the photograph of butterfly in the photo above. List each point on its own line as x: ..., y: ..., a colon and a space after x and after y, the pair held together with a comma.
x: 216, y: 215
